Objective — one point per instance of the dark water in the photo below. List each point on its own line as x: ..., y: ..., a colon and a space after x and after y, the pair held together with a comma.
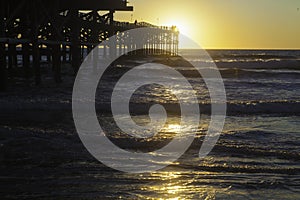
x: 256, y: 157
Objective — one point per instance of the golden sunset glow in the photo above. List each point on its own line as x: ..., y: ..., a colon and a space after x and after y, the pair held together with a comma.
x: 181, y: 26
x: 232, y: 24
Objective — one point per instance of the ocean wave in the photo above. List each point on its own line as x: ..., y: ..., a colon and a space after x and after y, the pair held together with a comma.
x: 241, y: 73
x: 233, y: 108
x: 252, y: 59
x: 249, y: 169
x: 271, y: 107
x: 269, y: 64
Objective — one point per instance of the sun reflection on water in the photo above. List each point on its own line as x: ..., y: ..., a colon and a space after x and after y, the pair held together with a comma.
x: 174, y: 185
x: 173, y: 128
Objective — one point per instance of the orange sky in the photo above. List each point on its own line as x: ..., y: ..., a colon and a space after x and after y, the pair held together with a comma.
x: 248, y: 24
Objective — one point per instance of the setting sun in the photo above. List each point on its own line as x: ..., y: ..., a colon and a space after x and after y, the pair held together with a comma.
x: 181, y: 26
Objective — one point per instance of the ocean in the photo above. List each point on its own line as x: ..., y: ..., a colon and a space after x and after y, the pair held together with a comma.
x: 256, y: 157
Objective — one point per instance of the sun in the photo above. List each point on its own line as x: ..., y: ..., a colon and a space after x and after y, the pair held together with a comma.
x: 182, y: 27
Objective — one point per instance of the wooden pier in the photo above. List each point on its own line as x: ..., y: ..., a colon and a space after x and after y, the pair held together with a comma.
x: 64, y: 31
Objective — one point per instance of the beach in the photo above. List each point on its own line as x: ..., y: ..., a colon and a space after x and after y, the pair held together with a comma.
x: 256, y: 157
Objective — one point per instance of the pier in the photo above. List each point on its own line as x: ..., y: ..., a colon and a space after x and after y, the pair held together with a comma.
x: 65, y: 31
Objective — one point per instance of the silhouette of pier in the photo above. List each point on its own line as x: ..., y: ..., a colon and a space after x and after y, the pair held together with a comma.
x: 64, y: 31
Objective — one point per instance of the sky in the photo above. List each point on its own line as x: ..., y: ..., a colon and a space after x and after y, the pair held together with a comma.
x: 225, y: 24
